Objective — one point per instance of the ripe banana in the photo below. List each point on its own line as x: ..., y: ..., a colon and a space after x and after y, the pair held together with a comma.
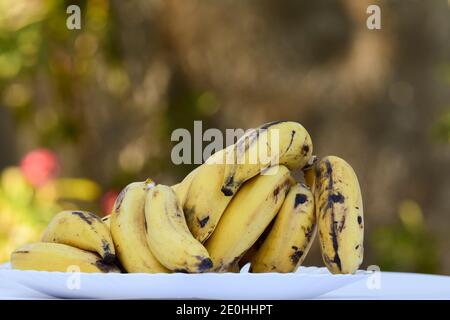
x: 107, y: 221
x: 277, y: 143
x: 44, y: 256
x: 205, y: 202
x: 168, y: 235
x: 291, y: 236
x: 128, y: 230
x: 182, y: 188
x: 250, y: 253
x: 83, y: 230
x: 339, y: 211
x: 247, y: 216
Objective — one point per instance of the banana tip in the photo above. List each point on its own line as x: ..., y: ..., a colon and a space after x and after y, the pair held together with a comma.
x: 109, y: 258
x: 205, y: 264
x: 227, y: 192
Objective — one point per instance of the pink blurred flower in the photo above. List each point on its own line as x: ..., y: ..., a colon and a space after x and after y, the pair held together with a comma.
x: 108, y: 200
x: 39, y: 166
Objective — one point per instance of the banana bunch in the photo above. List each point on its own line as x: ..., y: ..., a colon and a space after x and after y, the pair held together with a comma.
x: 214, y: 185
x: 242, y: 205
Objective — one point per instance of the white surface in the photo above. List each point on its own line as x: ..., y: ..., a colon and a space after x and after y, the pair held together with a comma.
x: 391, y: 286
x: 307, y: 283
x: 395, y: 285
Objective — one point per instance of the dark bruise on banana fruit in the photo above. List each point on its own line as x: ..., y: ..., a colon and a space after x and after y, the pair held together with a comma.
x: 81, y: 229
x: 339, y: 211
x: 168, y: 235
x: 291, y: 236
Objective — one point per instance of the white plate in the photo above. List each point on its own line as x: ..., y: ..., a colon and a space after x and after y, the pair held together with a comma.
x: 306, y: 283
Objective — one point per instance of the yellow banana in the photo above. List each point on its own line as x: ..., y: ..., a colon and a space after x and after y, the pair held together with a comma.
x: 251, y: 252
x: 45, y: 256
x: 247, y: 216
x: 339, y: 211
x: 277, y: 143
x: 83, y: 230
x: 182, y: 188
x: 128, y: 230
x: 205, y: 202
x: 291, y: 236
x: 168, y: 235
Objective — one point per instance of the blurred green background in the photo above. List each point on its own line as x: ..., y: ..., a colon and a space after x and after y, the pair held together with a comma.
x: 85, y: 112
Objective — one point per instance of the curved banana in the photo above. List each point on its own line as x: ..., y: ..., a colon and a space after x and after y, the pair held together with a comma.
x: 83, y: 230
x: 45, y: 256
x: 277, y: 143
x: 128, y: 230
x: 182, y: 188
x: 205, y: 202
x: 168, y: 235
x: 247, y: 216
x: 291, y: 236
x: 339, y: 211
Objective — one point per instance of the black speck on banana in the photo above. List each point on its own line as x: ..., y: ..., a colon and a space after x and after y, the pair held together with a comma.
x: 44, y: 256
x: 107, y: 221
x: 277, y: 143
x: 168, y: 235
x: 247, y: 216
x: 83, y: 230
x: 339, y: 211
x: 128, y: 230
x: 291, y: 236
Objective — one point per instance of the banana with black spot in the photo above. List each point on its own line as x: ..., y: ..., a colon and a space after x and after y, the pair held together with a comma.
x: 45, y: 256
x: 247, y: 216
x: 205, y: 203
x: 128, y: 230
x: 83, y: 230
x: 168, y: 235
x: 339, y: 211
x: 276, y: 143
x: 291, y: 235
